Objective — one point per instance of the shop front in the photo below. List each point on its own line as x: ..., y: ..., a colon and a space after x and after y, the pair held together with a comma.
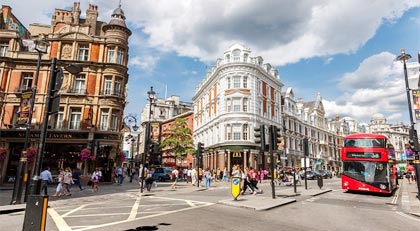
x: 62, y: 149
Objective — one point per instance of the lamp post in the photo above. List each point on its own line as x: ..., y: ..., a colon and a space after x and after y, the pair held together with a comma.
x: 413, y: 133
x: 147, y: 134
x: 131, y: 121
x: 41, y: 47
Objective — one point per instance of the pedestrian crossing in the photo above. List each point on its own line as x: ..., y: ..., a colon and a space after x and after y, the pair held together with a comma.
x: 76, y: 216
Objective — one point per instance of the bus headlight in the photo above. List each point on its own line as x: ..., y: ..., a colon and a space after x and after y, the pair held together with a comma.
x: 346, y: 184
x: 382, y: 186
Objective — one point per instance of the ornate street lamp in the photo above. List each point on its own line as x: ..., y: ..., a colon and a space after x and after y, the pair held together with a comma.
x: 147, y: 135
x: 41, y: 46
x: 131, y: 121
x: 413, y: 133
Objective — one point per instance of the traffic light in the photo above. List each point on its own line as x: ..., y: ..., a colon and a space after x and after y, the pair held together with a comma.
x: 55, y: 86
x: 259, y: 134
x: 305, y: 143
x: 276, y: 137
x: 151, y: 149
x: 413, y: 140
x: 200, y: 149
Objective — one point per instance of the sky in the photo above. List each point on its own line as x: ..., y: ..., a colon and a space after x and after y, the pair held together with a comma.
x: 344, y: 50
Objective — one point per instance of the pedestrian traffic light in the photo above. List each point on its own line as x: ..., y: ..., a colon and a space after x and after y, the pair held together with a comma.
x: 259, y: 134
x: 276, y: 136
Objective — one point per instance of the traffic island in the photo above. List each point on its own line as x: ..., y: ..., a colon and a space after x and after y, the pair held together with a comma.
x: 257, y: 203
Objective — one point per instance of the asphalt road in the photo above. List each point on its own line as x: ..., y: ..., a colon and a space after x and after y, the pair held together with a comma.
x: 200, y: 210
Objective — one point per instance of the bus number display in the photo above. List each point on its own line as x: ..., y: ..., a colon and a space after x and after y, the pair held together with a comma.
x: 364, y: 155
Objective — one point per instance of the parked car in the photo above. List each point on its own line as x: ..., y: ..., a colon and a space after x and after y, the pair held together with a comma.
x: 162, y: 174
x: 310, y: 175
x: 325, y: 173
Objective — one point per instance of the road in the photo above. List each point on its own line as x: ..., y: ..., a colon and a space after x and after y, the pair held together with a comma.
x: 187, y: 210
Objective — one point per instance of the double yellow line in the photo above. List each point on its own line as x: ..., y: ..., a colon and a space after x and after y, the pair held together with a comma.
x: 395, y: 197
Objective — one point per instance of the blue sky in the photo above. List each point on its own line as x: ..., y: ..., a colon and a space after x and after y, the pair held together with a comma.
x: 344, y: 50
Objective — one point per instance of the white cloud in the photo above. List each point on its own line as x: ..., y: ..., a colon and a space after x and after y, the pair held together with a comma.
x: 376, y: 86
x: 145, y: 62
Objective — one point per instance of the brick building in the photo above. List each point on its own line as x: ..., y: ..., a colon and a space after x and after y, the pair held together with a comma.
x: 92, y: 102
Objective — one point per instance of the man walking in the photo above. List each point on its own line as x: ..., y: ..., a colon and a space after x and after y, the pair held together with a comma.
x: 46, y: 178
x: 76, y: 178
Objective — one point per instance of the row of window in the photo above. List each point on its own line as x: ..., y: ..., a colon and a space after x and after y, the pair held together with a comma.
x: 114, y: 54
x: 112, y: 85
x: 108, y: 119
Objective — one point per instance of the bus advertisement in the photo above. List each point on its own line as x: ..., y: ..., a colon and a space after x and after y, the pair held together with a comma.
x: 368, y: 164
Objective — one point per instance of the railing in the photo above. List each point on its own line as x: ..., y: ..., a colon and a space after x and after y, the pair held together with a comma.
x: 111, y: 93
x: 76, y: 91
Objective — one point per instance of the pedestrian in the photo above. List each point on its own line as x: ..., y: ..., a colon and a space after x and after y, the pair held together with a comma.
x: 408, y: 176
x: 208, y: 177
x: 142, y: 175
x: 254, y: 180
x: 225, y: 175
x: 189, y: 179
x: 60, y: 177
x: 174, y: 175
x: 193, y: 176
x: 120, y: 175
x: 76, y: 178
x: 95, y: 180
x: 46, y: 178
x: 149, y: 179
x: 115, y: 175
x: 67, y: 181
x: 246, y: 179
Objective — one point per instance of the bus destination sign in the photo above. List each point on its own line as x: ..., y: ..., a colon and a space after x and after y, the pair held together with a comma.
x: 364, y: 155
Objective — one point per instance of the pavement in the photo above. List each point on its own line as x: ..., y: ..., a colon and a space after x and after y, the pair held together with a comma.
x: 261, y: 202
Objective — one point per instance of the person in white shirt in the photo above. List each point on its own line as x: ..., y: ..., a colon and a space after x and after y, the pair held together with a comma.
x: 189, y: 175
x: 193, y: 176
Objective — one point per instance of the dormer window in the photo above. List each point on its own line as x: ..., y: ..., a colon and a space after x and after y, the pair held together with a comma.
x: 236, y: 55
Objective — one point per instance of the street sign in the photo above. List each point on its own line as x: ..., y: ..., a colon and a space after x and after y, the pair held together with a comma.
x: 236, y: 187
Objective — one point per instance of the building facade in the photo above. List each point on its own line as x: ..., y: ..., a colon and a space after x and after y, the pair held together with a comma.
x: 240, y: 93
x: 159, y: 114
x: 92, y: 102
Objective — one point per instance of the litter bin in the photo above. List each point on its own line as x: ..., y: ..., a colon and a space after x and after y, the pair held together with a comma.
x: 36, y: 213
x: 320, y: 181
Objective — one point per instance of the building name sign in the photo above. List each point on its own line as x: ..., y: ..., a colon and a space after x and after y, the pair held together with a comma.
x: 49, y: 135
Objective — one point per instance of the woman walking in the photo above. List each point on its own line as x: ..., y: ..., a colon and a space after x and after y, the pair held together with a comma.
x: 95, y: 180
x: 207, y: 175
x: 60, y: 178
x: 67, y: 181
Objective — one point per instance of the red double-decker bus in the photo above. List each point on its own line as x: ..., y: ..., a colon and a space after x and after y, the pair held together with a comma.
x: 368, y: 164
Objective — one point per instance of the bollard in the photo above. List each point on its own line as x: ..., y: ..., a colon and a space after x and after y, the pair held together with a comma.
x: 320, y: 182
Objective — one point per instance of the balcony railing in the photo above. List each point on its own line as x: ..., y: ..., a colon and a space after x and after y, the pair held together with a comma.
x: 76, y: 91
x: 111, y: 93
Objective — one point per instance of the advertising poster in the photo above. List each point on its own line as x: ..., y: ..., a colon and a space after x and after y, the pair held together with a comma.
x: 25, y: 105
x: 155, y: 127
x: 416, y: 104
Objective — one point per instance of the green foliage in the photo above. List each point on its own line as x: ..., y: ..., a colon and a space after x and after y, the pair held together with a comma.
x: 179, y: 141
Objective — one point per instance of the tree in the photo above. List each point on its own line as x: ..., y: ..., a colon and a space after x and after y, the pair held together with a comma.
x: 179, y: 140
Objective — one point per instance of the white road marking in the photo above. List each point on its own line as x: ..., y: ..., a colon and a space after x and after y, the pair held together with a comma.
x: 63, y: 226
x: 407, y: 216
x: 74, y: 210
x: 134, y: 209
x: 58, y: 220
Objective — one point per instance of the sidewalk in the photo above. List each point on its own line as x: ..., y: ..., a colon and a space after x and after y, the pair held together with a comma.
x: 409, y: 200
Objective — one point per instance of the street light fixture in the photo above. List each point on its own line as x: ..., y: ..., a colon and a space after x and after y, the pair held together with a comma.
x: 413, y: 133
x: 131, y: 121
x: 41, y: 46
x: 147, y: 135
